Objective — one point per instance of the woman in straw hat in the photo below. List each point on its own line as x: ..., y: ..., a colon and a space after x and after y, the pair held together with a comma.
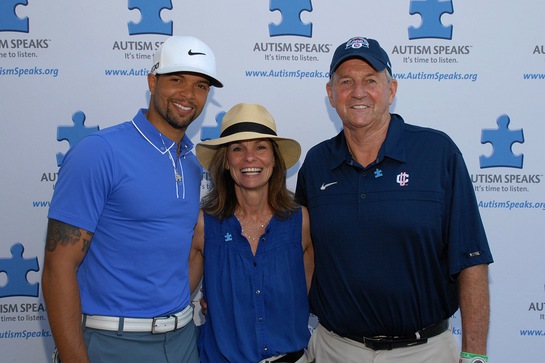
x: 253, y: 243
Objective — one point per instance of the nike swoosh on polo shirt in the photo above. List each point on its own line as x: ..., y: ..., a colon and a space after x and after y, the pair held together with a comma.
x: 325, y: 186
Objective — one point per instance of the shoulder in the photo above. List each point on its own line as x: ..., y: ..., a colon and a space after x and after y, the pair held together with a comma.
x: 107, y: 136
x: 430, y: 135
x: 326, y: 146
x: 116, y: 132
x: 325, y: 152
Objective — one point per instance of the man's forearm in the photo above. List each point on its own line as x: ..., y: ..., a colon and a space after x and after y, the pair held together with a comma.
x: 62, y: 300
x: 474, y: 308
x: 66, y: 247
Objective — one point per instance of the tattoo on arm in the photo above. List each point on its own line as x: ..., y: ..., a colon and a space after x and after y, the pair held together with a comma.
x: 65, y: 234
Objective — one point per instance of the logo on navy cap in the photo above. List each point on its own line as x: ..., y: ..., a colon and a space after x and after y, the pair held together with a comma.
x: 357, y: 43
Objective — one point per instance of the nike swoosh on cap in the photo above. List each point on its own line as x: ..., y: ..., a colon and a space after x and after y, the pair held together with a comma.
x: 324, y: 185
x: 190, y: 52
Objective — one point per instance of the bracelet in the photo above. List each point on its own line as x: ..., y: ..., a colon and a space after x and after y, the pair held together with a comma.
x: 472, y: 358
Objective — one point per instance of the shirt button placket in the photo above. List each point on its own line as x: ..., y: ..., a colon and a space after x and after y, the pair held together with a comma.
x: 362, y: 190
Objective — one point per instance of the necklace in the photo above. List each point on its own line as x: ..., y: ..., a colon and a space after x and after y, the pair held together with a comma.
x: 177, y: 175
x: 253, y: 232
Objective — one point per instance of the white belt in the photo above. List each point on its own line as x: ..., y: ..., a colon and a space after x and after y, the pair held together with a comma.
x: 161, y: 324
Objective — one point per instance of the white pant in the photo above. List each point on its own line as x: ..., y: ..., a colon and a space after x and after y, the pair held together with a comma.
x: 328, y: 347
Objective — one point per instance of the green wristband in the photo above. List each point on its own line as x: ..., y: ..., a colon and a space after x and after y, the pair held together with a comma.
x: 465, y: 355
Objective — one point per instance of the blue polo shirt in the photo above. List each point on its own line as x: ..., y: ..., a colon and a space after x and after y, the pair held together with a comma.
x: 391, y: 238
x: 120, y: 184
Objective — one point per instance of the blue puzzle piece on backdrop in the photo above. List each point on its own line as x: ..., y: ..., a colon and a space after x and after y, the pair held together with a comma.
x: 150, y: 21
x: 212, y: 132
x: 291, y: 23
x: 17, y: 269
x: 431, y: 11
x: 9, y: 21
x: 73, y: 134
x: 502, y: 139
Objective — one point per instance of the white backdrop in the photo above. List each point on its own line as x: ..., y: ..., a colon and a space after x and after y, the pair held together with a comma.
x: 58, y: 66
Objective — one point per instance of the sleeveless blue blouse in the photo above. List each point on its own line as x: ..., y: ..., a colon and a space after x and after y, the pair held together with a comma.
x: 257, y: 305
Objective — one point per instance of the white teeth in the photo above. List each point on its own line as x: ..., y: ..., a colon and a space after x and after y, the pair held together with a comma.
x: 360, y: 107
x: 182, y: 107
x: 251, y: 170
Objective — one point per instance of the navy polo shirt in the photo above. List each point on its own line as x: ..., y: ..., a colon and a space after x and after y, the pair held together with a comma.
x: 391, y: 238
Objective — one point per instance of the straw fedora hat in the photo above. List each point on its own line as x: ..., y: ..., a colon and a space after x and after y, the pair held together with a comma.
x: 246, y: 122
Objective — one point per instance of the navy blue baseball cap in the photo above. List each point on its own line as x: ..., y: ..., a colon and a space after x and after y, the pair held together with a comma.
x: 364, y: 48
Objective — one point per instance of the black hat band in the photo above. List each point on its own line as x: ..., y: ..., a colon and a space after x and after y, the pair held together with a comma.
x: 247, y: 127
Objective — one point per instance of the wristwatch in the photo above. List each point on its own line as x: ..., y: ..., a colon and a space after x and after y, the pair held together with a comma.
x: 473, y: 360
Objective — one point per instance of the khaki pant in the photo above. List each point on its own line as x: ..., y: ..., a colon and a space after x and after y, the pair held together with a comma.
x: 328, y: 347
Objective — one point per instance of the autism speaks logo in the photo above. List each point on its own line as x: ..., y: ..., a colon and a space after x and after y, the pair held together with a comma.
x: 17, y: 269
x: 212, y: 132
x: 9, y: 21
x: 502, y: 140
x: 150, y: 21
x: 73, y: 134
x: 431, y: 12
x: 291, y: 23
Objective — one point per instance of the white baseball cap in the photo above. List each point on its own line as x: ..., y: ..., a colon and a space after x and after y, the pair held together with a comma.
x: 186, y: 54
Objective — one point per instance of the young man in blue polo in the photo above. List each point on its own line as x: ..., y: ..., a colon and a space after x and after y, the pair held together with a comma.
x: 115, y: 277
